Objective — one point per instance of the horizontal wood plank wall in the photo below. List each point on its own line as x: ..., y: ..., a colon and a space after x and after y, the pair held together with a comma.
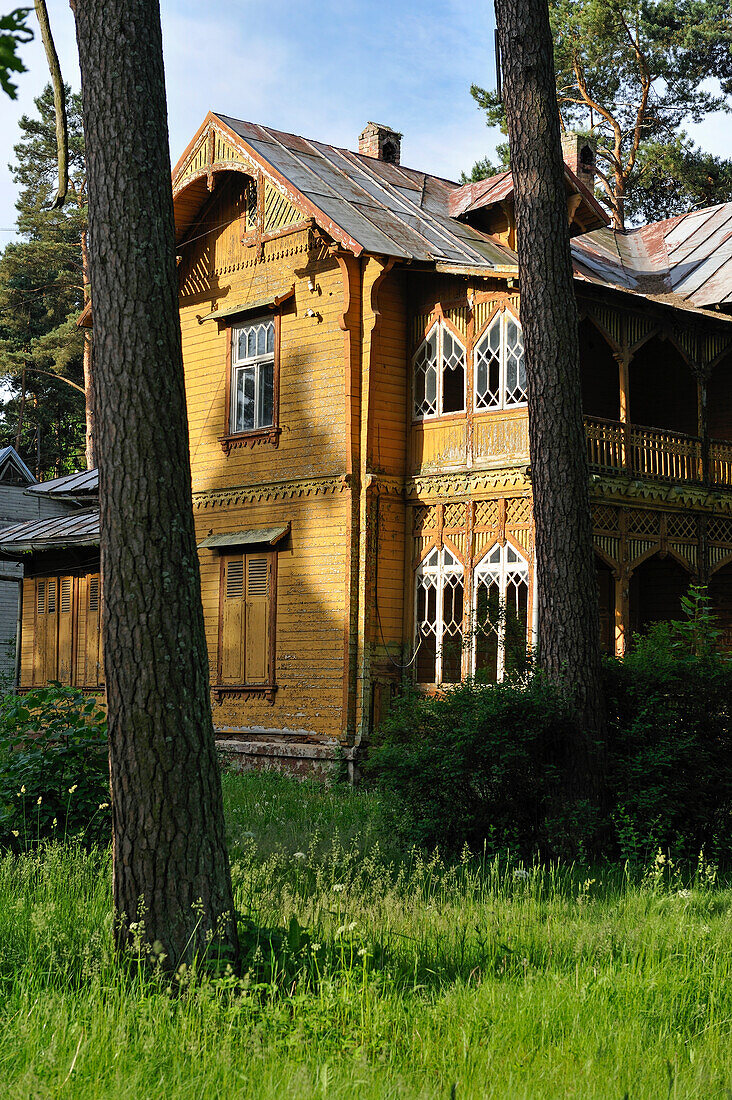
x: 388, y: 441
x: 310, y: 594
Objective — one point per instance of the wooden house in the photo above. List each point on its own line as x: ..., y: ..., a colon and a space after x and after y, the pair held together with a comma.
x: 359, y: 434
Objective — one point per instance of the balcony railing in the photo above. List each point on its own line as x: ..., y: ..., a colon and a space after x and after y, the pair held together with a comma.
x: 654, y: 453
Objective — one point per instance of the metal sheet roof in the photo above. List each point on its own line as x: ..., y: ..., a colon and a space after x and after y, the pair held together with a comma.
x: 72, y: 484
x: 77, y: 529
x: 688, y: 257
x: 259, y: 536
x: 385, y: 208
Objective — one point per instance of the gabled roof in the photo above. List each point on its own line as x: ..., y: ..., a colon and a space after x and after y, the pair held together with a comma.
x: 57, y: 533
x: 11, y: 460
x: 366, y: 204
x: 496, y: 189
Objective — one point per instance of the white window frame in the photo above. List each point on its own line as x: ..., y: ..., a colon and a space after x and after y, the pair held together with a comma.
x: 501, y: 318
x: 447, y: 564
x: 255, y: 362
x: 441, y: 328
x: 500, y: 571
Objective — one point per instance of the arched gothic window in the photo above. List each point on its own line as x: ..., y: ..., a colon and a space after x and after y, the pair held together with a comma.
x: 439, y: 374
x: 501, y: 596
x: 439, y: 618
x: 500, y: 373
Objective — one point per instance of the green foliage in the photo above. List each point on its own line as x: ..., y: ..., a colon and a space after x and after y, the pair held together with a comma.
x: 472, y: 765
x: 54, y: 775
x: 480, y: 764
x: 476, y: 978
x: 670, y: 749
x: 632, y: 73
x: 14, y: 32
x: 41, y: 296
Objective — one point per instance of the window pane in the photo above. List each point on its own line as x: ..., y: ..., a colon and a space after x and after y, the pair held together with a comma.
x: 517, y: 598
x: 515, y: 369
x: 425, y: 378
x: 426, y: 630
x: 487, y: 618
x: 452, y: 629
x: 241, y: 347
x: 244, y: 400
x: 488, y: 372
x: 453, y: 374
x: 266, y: 395
x: 270, y: 338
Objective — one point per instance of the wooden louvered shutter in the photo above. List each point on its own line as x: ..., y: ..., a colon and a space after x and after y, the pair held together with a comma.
x: 257, y: 619
x: 65, y: 628
x: 232, y: 625
x: 94, y: 675
x: 39, y: 640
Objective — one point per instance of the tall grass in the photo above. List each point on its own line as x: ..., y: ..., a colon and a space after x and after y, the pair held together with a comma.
x: 373, y: 973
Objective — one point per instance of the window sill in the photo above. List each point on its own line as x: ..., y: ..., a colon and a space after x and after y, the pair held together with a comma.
x: 244, y: 691
x: 249, y: 439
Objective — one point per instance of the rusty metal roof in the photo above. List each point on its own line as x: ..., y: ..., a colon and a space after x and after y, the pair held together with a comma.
x: 385, y: 209
x: 71, y: 485
x: 686, y: 260
x: 486, y: 193
x: 77, y: 529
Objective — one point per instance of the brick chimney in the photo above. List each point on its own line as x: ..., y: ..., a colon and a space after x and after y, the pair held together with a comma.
x: 579, y: 154
x: 380, y: 142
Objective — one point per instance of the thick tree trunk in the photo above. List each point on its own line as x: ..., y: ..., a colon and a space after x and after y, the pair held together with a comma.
x: 568, y: 612
x: 171, y: 868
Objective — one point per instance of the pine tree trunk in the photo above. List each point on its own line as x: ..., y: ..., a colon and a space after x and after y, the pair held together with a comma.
x: 171, y: 867
x: 568, y: 610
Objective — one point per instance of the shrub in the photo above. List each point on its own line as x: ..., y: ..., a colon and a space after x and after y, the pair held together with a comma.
x: 54, y: 775
x: 472, y: 764
x: 480, y: 763
x: 670, y: 746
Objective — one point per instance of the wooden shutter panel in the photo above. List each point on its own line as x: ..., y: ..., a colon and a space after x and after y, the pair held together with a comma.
x: 39, y: 640
x: 232, y: 627
x: 65, y: 628
x: 257, y: 620
x: 88, y: 666
x: 45, y: 658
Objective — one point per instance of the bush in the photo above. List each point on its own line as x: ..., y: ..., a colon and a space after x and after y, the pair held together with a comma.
x: 54, y: 774
x: 670, y: 748
x: 480, y: 763
x: 473, y: 764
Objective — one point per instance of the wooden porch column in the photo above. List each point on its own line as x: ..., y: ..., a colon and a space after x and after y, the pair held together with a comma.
x: 622, y: 612
x: 623, y: 359
x: 703, y: 429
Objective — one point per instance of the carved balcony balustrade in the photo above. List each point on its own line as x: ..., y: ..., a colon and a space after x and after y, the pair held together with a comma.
x: 655, y: 453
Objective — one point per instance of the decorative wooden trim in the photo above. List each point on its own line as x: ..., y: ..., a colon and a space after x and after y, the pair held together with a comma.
x: 281, y: 490
x: 244, y: 691
x: 230, y: 443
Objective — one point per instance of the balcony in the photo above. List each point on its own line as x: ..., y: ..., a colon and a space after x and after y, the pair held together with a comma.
x: 656, y: 454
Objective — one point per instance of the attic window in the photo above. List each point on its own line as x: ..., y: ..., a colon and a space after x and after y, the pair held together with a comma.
x: 439, y: 374
x: 587, y: 156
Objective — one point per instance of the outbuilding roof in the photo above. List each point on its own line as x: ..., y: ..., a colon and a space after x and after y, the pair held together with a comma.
x: 56, y: 533
x: 82, y: 484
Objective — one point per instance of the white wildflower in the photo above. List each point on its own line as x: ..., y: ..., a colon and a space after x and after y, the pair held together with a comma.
x: 72, y: 789
x: 298, y: 855
x: 39, y: 800
x: 521, y: 874
x: 683, y: 893
x: 339, y: 887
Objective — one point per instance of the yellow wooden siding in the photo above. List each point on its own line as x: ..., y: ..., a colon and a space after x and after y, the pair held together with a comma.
x: 310, y: 601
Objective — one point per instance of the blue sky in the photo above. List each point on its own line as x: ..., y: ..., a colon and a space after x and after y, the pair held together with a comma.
x: 321, y: 69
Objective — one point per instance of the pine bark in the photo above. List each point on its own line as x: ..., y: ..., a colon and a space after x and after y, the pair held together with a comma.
x: 568, y: 642
x: 171, y: 869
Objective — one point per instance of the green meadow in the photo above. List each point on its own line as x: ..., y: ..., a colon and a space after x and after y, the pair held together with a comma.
x: 372, y: 972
